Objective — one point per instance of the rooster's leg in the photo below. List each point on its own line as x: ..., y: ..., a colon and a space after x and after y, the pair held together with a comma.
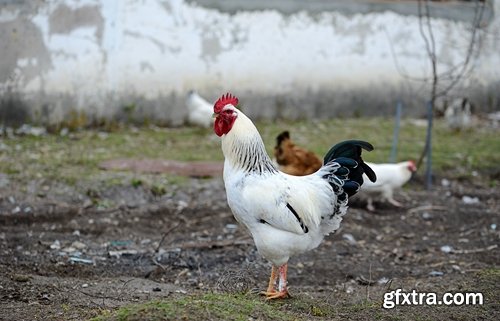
x: 282, y: 290
x: 272, y: 283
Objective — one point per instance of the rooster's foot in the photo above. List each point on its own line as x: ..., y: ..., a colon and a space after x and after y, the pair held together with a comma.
x: 276, y: 295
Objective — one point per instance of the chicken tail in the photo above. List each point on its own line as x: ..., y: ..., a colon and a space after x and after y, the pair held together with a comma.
x: 348, y: 155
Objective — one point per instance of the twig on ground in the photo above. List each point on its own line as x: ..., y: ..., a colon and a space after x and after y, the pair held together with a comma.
x: 427, y: 208
x: 96, y: 296
x: 483, y: 249
x: 370, y: 283
x: 165, y: 235
x: 127, y: 282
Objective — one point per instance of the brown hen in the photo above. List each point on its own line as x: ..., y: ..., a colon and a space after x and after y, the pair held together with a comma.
x: 294, y: 160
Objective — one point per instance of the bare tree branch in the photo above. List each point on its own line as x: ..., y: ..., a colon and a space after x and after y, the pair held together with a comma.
x: 478, y: 16
x: 421, y: 29
x: 443, y: 82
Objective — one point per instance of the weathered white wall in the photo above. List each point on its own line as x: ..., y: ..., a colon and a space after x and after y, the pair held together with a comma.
x: 105, y: 58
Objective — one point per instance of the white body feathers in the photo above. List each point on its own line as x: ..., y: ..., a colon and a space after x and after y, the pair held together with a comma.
x: 389, y: 178
x: 200, y: 111
x: 264, y: 199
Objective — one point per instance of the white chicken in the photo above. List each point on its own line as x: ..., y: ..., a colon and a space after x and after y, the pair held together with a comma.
x: 389, y: 178
x: 285, y: 214
x: 200, y: 111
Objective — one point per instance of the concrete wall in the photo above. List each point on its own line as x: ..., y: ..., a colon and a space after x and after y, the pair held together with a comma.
x: 89, y: 60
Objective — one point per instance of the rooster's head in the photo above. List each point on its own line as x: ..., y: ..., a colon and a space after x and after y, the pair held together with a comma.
x: 225, y: 113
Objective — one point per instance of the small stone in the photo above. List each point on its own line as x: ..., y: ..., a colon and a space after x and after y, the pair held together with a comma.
x: 469, y: 200
x: 87, y: 203
x: 436, y: 273
x: 56, y: 245
x: 349, y: 238
x: 446, y: 249
x: 78, y: 245
x: 383, y: 280
x: 426, y: 215
x: 68, y: 249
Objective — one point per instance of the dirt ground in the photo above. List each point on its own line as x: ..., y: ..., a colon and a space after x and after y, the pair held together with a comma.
x: 62, y: 257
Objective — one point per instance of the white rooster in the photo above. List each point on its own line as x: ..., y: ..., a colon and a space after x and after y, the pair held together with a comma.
x: 200, y: 111
x: 389, y: 178
x: 285, y: 214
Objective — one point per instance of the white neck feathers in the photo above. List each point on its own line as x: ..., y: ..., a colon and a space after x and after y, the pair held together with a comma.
x: 244, y: 149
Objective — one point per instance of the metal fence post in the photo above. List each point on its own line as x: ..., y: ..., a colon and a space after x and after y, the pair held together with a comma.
x: 428, y: 144
x: 395, y: 138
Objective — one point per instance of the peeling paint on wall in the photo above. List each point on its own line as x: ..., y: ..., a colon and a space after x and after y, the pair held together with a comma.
x: 26, y: 56
x: 65, y: 19
x: 97, y: 57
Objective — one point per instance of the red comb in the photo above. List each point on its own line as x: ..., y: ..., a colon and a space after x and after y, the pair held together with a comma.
x: 225, y: 100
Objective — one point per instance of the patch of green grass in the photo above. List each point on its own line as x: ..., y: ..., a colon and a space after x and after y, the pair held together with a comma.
x: 76, y: 157
x: 456, y: 154
x: 491, y: 273
x: 310, y: 306
x: 210, y: 306
x: 489, y: 280
x: 219, y: 306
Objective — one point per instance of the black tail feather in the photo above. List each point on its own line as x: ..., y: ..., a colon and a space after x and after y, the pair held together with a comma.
x: 348, y: 148
x: 348, y: 155
x: 369, y: 172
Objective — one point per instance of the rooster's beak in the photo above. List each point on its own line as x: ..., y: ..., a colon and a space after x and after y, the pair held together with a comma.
x: 214, y: 115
